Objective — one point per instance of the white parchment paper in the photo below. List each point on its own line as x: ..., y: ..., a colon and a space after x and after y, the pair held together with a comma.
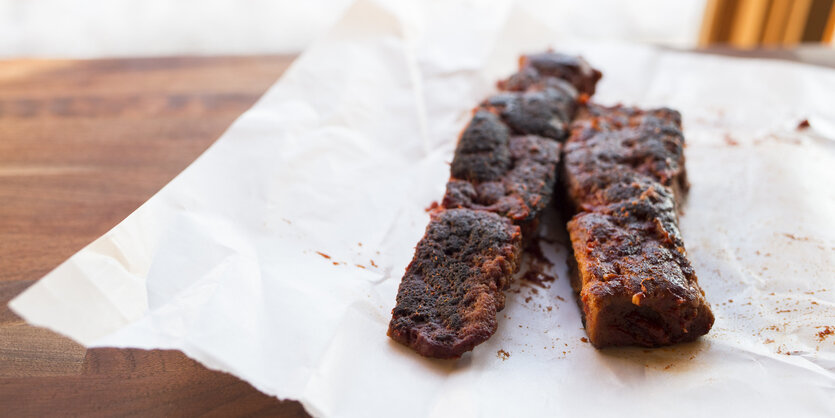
x: 276, y: 256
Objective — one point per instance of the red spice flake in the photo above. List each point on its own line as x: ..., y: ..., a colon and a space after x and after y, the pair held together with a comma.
x: 768, y: 341
x: 667, y: 367
x: 502, y: 354
x: 373, y: 264
x: 549, y: 308
x: 795, y: 237
x: 584, y: 339
x: 804, y: 124
x: 323, y: 255
x: 360, y: 266
x: 560, y: 298
x: 730, y: 301
x: 432, y: 206
x: 335, y: 263
x: 827, y: 331
x: 359, y: 244
x: 527, y: 299
x: 730, y: 140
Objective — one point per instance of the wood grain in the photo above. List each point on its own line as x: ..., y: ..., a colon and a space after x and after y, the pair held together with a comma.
x: 82, y: 145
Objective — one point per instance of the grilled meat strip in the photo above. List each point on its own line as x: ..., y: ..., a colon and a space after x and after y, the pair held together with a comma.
x: 502, y: 177
x: 452, y: 289
x: 623, y: 173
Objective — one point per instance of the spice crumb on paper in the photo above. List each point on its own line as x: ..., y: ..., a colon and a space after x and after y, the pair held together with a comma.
x: 826, y: 332
x: 730, y: 141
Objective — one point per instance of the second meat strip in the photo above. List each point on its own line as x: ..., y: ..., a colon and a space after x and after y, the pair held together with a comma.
x: 502, y: 177
x: 623, y: 172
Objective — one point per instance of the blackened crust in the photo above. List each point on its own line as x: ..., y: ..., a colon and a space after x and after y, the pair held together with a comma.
x: 482, y: 153
x: 520, y: 194
x: 537, y: 69
x: 546, y: 111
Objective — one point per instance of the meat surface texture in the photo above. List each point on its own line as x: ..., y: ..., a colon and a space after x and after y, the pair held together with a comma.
x: 452, y: 289
x: 624, y: 176
x: 502, y: 177
x: 513, y: 177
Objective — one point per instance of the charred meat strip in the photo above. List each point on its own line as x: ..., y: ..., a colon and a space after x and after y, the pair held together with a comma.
x: 502, y: 177
x: 624, y: 172
x: 453, y: 287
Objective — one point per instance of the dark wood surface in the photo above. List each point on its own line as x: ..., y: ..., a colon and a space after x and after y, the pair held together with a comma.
x: 82, y: 145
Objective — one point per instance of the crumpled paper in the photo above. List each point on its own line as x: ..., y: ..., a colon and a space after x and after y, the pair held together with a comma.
x: 276, y: 256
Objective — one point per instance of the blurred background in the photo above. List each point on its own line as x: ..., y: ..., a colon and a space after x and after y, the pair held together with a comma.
x: 114, y: 28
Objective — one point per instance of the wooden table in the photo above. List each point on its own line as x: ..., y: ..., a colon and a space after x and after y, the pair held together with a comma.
x: 82, y: 145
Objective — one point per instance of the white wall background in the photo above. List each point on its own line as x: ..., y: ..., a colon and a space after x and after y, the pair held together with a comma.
x: 102, y: 28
